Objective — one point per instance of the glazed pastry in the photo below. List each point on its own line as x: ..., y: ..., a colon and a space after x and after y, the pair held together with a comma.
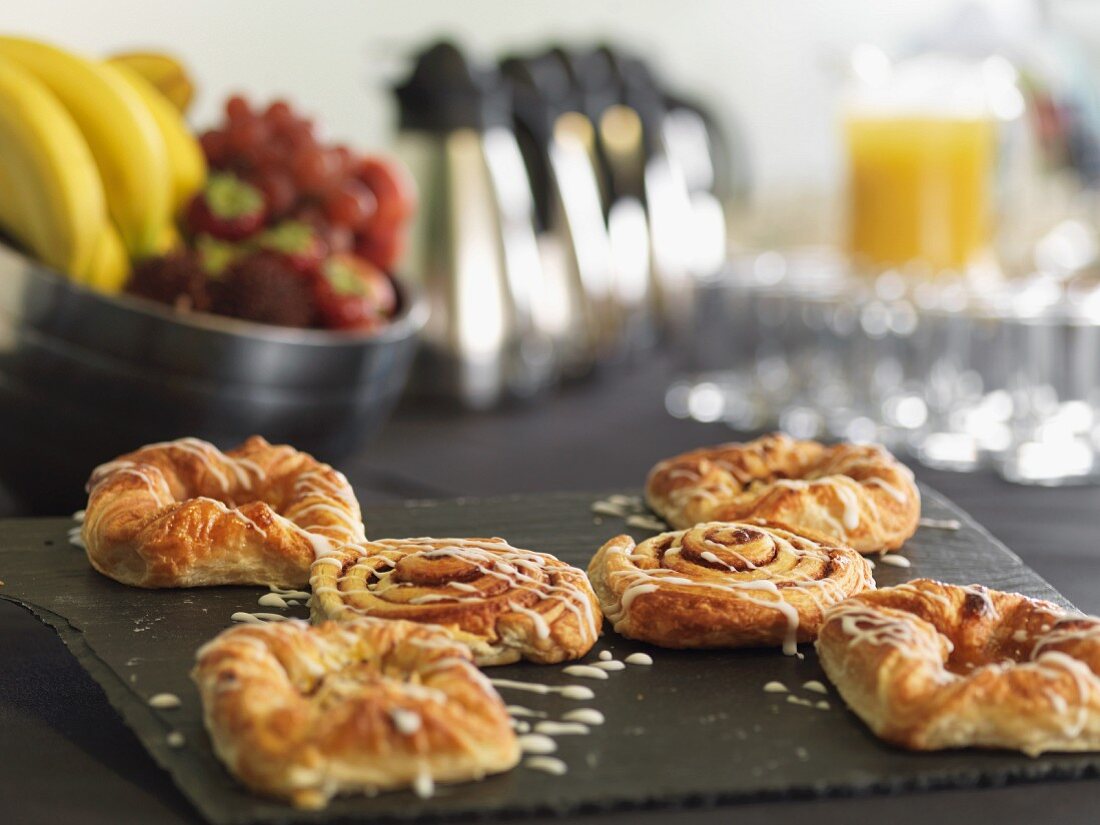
x: 929, y: 666
x: 304, y: 713
x: 506, y: 603
x: 853, y: 494
x: 724, y: 584
x: 183, y: 514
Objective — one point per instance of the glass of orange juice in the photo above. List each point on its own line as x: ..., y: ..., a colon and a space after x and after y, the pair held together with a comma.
x: 921, y: 149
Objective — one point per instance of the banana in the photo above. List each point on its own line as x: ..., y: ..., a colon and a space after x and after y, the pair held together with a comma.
x: 121, y: 132
x: 186, y: 162
x: 51, y: 197
x: 164, y: 72
x: 170, y: 240
x: 109, y: 266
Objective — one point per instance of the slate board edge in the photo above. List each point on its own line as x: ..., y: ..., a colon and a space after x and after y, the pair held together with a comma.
x: 151, y: 731
x: 133, y: 713
x: 136, y: 715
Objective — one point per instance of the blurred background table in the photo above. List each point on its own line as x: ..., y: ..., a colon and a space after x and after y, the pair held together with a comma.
x: 69, y: 758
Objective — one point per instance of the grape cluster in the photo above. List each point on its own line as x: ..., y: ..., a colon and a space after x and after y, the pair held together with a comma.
x: 357, y: 203
x: 288, y: 230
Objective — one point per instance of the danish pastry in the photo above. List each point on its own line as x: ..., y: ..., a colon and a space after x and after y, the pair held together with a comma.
x: 929, y: 665
x: 506, y: 603
x: 303, y: 713
x: 853, y: 494
x: 724, y: 584
x: 183, y: 513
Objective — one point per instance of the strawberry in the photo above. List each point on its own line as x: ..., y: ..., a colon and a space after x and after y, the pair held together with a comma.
x: 227, y: 209
x: 382, y: 247
x: 216, y: 256
x: 394, y: 192
x: 351, y: 293
x: 298, y: 243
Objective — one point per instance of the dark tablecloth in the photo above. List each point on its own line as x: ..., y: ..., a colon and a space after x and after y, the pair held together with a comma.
x: 68, y: 758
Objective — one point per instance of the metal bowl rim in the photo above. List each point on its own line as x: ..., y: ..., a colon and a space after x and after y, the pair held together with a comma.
x: 411, y: 318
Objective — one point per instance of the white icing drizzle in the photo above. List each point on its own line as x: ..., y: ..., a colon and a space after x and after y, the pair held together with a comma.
x: 561, y: 728
x: 406, y: 721
x: 896, y: 493
x: 256, y: 618
x: 175, y: 739
x: 815, y: 686
x: 519, y: 710
x: 586, y: 716
x: 423, y: 786
x: 846, y: 491
x: 79, y: 515
x: 895, y: 560
x: 645, y: 522
x: 547, y: 764
x: 604, y: 656
x: 585, y: 671
x: 639, y: 659
x: 798, y: 700
x: 941, y: 524
x: 775, y: 687
x: 612, y: 665
x: 164, y: 701
x: 606, y: 508
x: 821, y: 705
x: 542, y: 629
x: 272, y: 600
x: 537, y: 743
x: 568, y: 691
x: 520, y: 726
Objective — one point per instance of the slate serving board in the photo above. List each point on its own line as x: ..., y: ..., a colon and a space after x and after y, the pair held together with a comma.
x: 696, y: 728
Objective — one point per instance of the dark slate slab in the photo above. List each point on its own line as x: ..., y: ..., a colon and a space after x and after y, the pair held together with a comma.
x: 694, y: 729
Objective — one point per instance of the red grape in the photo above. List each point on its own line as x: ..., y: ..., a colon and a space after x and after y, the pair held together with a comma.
x: 394, y: 190
x: 310, y: 171
x: 245, y: 135
x: 214, y: 146
x: 237, y: 108
x: 279, y: 191
x: 350, y: 205
x: 278, y: 114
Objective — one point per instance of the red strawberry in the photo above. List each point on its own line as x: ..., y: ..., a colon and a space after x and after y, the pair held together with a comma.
x: 228, y: 209
x: 299, y: 244
x: 394, y: 190
x: 216, y: 256
x: 383, y: 248
x: 353, y: 294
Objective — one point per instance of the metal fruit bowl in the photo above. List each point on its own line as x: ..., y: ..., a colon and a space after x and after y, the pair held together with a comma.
x: 85, y: 377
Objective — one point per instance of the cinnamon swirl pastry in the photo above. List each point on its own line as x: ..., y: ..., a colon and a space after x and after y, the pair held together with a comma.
x: 506, y: 603
x: 929, y: 666
x: 854, y: 494
x: 304, y: 713
x: 724, y: 584
x: 183, y: 514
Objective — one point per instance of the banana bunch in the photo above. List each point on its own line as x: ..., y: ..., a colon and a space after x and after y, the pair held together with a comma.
x: 95, y: 163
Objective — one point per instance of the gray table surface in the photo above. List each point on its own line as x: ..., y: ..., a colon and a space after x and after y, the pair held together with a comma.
x: 68, y: 758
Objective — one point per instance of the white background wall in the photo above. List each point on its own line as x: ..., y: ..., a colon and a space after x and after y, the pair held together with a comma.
x: 770, y: 62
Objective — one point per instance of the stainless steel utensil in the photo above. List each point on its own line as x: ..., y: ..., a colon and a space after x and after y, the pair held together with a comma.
x: 473, y: 244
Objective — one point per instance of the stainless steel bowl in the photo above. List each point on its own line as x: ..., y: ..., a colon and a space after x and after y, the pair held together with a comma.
x: 85, y: 377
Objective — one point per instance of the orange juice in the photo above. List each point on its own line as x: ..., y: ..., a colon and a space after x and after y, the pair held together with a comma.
x: 920, y: 189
